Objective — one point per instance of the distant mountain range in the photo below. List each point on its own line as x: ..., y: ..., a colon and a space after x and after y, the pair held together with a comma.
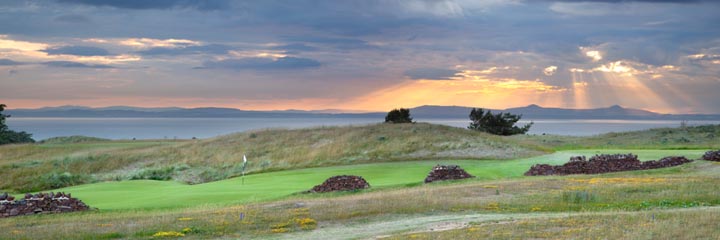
x: 448, y: 112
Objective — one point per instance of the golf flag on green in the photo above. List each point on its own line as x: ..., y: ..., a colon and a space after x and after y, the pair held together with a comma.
x: 244, y: 164
x: 243, y: 168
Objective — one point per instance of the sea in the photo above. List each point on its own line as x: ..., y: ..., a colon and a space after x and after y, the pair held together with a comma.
x: 186, y: 128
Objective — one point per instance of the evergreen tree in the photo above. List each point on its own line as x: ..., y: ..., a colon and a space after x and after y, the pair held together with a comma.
x: 7, y: 136
x: 498, y: 124
x: 401, y: 115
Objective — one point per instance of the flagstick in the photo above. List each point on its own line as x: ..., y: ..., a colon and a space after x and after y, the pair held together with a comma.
x: 242, y: 178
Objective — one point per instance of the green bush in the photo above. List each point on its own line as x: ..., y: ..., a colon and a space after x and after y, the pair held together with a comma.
x: 56, y: 180
x: 161, y: 174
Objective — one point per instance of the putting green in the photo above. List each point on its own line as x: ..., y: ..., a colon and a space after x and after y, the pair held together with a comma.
x: 146, y: 194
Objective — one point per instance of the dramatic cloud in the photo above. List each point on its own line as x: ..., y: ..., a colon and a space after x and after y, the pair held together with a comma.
x: 283, y: 63
x: 431, y: 73
x: 655, y: 55
x: 77, y: 51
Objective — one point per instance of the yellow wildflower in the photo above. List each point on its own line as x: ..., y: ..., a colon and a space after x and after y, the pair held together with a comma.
x: 169, y: 234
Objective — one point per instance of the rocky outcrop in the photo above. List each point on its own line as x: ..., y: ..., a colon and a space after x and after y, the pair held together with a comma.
x: 341, y: 183
x: 712, y: 156
x: 604, y: 163
x: 40, y: 203
x: 446, y: 172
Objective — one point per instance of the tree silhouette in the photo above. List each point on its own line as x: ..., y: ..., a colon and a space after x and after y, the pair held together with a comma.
x: 7, y: 136
x: 498, y: 124
x: 401, y: 115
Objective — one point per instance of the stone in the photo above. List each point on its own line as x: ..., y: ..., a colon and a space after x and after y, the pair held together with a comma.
x: 604, y: 163
x: 341, y: 183
x: 449, y: 172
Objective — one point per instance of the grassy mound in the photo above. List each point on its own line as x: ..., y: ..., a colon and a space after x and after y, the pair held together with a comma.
x: 145, y: 194
x: 72, y: 161
x: 37, y: 167
x: 695, y: 137
x: 633, y: 205
x: 72, y: 139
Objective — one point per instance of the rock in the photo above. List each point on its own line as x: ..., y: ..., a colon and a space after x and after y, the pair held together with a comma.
x: 712, y: 156
x: 41, y: 203
x: 341, y: 183
x: 14, y: 212
x: 449, y: 172
x: 603, y: 164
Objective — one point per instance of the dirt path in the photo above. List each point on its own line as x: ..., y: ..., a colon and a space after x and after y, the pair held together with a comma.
x: 419, y: 223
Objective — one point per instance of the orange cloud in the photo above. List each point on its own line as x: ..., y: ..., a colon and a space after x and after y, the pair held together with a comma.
x: 470, y: 90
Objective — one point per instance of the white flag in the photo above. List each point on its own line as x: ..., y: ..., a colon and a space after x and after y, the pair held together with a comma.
x: 244, y: 159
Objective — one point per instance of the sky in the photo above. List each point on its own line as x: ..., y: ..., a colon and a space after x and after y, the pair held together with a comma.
x: 371, y: 55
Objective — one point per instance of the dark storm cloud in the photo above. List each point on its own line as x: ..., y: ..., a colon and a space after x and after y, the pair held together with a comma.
x: 203, y: 49
x: 72, y: 18
x: 431, y: 73
x: 153, y: 4
x: 8, y: 62
x: 70, y: 64
x: 77, y: 51
x: 283, y: 63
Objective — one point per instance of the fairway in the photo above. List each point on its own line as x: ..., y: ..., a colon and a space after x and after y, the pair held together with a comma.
x: 145, y: 194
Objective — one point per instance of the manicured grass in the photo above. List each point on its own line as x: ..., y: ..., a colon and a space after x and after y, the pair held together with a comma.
x: 145, y: 194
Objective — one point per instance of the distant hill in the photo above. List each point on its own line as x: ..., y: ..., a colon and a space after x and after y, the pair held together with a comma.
x: 175, y: 112
x: 421, y: 112
x: 537, y: 112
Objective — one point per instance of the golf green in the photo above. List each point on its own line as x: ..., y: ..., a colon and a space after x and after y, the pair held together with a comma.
x: 147, y: 194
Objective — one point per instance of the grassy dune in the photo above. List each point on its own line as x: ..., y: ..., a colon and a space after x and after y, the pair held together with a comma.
x: 34, y: 167
x: 695, y: 137
x: 145, y: 194
x: 499, y: 203
x: 533, y: 207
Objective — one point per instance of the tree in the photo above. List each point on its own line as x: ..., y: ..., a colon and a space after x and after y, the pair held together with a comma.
x: 401, y: 115
x: 498, y: 124
x: 7, y: 136
x: 3, y: 127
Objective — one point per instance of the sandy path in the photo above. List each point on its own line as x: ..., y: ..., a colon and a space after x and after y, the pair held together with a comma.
x: 423, y: 223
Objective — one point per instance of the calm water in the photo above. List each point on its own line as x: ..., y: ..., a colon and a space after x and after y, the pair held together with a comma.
x: 158, y: 128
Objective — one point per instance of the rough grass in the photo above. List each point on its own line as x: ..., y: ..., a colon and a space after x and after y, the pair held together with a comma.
x: 34, y: 167
x: 533, y: 207
x: 199, y: 161
x: 694, y: 137
x: 73, y: 139
x: 698, y: 223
